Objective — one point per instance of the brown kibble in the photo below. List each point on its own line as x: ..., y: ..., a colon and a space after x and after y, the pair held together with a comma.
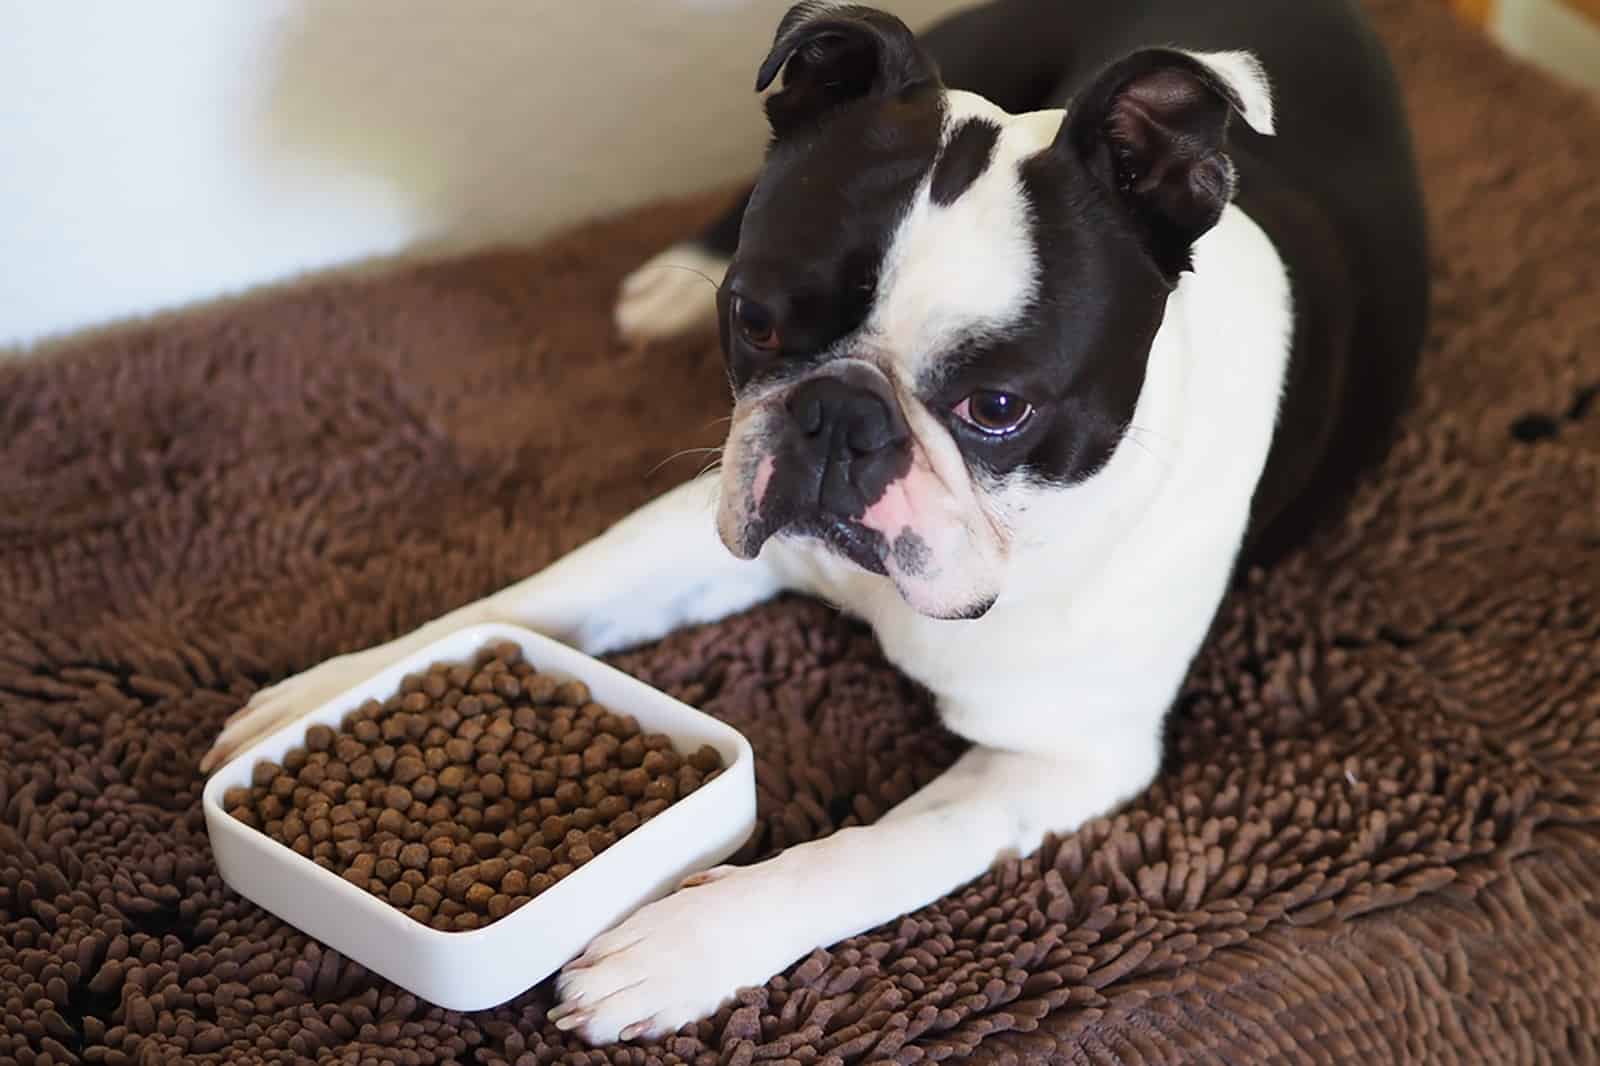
x: 514, y: 883
x: 387, y: 871
x: 573, y: 694
x: 635, y: 782
x: 569, y: 794
x: 452, y: 778
x: 493, y: 871
x: 319, y: 738
x: 397, y: 797
x: 262, y: 773
x: 631, y: 753
x: 519, y: 786
x: 414, y: 856
x: 391, y: 820
x: 237, y: 796
x: 554, y: 829
x: 662, y: 789
x: 366, y: 731
x: 384, y: 755
x: 625, y: 823
x: 407, y: 769
x: 706, y: 759
x: 479, y: 895
x: 457, y: 883
x: 541, y: 689
x: 540, y: 883
x: 493, y: 786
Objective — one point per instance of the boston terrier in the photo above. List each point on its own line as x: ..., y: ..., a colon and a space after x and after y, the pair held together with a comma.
x: 1038, y: 326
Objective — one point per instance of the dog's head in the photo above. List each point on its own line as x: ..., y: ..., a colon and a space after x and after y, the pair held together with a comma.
x: 938, y: 311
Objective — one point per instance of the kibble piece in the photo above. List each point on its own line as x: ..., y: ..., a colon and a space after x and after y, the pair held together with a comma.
x: 635, y: 782
x: 407, y: 769
x: 319, y: 738
x: 478, y: 896
x: 573, y: 694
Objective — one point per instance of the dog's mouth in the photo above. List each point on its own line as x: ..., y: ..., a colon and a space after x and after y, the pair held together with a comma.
x: 862, y: 546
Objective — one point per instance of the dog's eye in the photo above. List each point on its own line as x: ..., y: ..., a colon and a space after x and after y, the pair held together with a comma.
x: 755, y: 324
x: 994, y: 413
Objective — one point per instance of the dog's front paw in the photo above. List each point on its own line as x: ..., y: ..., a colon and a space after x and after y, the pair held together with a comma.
x: 273, y: 708
x: 677, y: 960
x: 672, y: 295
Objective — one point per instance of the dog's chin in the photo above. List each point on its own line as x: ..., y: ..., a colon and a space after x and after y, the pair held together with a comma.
x: 867, y: 549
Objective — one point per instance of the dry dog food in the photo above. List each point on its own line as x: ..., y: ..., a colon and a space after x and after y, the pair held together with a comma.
x: 470, y: 791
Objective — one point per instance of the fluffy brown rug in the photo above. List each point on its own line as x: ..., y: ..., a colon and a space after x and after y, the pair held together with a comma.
x: 1377, y: 838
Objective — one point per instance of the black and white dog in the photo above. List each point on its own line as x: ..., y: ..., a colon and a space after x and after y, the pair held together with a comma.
x: 1036, y: 325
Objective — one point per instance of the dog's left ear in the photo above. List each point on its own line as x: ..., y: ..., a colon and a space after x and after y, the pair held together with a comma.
x: 831, y: 54
x: 1154, y: 128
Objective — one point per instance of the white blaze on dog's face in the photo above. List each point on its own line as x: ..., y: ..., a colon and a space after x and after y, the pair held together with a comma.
x: 939, y: 311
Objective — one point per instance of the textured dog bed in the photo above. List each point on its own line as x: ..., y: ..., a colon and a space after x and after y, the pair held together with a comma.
x: 1377, y: 838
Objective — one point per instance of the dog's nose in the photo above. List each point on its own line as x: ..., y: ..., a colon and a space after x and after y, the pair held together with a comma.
x: 854, y: 438
x: 849, y: 420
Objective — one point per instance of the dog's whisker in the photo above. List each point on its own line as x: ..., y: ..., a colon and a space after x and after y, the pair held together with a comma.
x: 716, y: 287
x: 680, y: 455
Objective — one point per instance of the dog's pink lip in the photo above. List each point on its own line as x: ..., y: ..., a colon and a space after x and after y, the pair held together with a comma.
x: 763, y: 478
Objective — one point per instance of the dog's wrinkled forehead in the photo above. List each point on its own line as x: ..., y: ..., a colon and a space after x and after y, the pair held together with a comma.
x: 901, y: 228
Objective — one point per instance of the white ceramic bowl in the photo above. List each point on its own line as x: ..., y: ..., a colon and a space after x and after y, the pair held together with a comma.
x: 486, y: 967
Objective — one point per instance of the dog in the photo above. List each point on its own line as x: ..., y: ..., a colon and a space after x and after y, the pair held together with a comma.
x: 1039, y: 327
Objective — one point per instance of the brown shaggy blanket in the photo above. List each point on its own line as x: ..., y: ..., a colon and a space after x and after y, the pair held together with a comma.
x: 1376, y: 839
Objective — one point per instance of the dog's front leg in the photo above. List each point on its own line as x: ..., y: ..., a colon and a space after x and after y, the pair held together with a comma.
x: 676, y: 960
x: 661, y: 567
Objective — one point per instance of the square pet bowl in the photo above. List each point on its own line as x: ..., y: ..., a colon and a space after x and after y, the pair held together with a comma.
x: 486, y: 967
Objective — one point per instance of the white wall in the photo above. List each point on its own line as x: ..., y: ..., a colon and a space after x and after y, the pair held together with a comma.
x: 154, y: 154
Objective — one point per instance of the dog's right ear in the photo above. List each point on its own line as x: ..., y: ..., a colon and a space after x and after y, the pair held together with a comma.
x: 832, y: 54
